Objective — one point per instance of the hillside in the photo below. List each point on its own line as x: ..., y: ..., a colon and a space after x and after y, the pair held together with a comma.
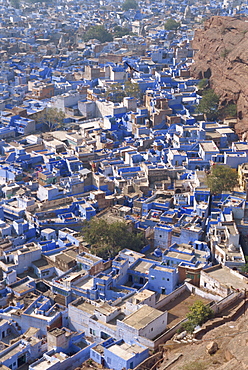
x: 232, y: 339
x: 222, y: 56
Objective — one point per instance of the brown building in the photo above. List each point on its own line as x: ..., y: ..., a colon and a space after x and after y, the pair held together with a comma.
x: 189, y: 273
x: 41, y: 90
x: 65, y: 261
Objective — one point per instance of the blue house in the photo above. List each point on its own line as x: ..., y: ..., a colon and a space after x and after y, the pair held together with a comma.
x: 121, y: 355
x: 162, y: 279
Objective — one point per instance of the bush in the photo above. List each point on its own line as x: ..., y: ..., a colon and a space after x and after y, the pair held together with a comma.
x: 225, y: 53
x: 188, y: 326
x: 244, y: 268
x: 198, y: 314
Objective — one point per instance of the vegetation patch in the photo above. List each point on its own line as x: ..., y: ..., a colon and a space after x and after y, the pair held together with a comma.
x: 198, y: 314
x: 106, y: 239
x: 222, y: 178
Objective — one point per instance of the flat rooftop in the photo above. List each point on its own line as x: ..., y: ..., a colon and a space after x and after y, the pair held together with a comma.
x: 141, y: 296
x: 86, y: 307
x: 125, y: 351
x: 85, y: 284
x: 163, y: 268
x: 241, y: 146
x: 90, y: 257
x: 105, y: 309
x: 227, y: 277
x: 142, y: 317
x: 45, y: 364
x: 142, y: 267
x: 42, y: 264
x: 13, y: 350
x: 180, y: 255
x: 209, y: 147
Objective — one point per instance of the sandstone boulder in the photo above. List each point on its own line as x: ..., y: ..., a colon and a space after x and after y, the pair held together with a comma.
x: 212, y: 348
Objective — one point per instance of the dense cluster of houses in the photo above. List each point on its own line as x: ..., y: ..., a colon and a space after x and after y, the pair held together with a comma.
x: 143, y: 160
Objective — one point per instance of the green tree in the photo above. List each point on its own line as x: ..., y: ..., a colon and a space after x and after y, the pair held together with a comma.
x: 222, y: 178
x: 107, y: 239
x: 129, y: 4
x: 121, y: 31
x: 209, y: 104
x: 98, y: 32
x: 52, y: 118
x: 202, y: 83
x: 198, y: 314
x: 116, y: 92
x: 132, y: 90
x: 171, y: 24
x: 230, y: 110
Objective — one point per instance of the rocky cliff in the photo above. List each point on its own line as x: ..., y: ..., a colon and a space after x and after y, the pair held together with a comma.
x: 222, y: 56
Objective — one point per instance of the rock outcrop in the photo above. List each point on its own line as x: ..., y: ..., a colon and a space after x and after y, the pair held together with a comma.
x: 212, y: 348
x: 222, y: 57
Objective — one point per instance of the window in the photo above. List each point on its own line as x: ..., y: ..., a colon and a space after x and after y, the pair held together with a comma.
x: 108, y: 360
x: 152, y: 277
x: 151, y: 329
x: 168, y: 279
